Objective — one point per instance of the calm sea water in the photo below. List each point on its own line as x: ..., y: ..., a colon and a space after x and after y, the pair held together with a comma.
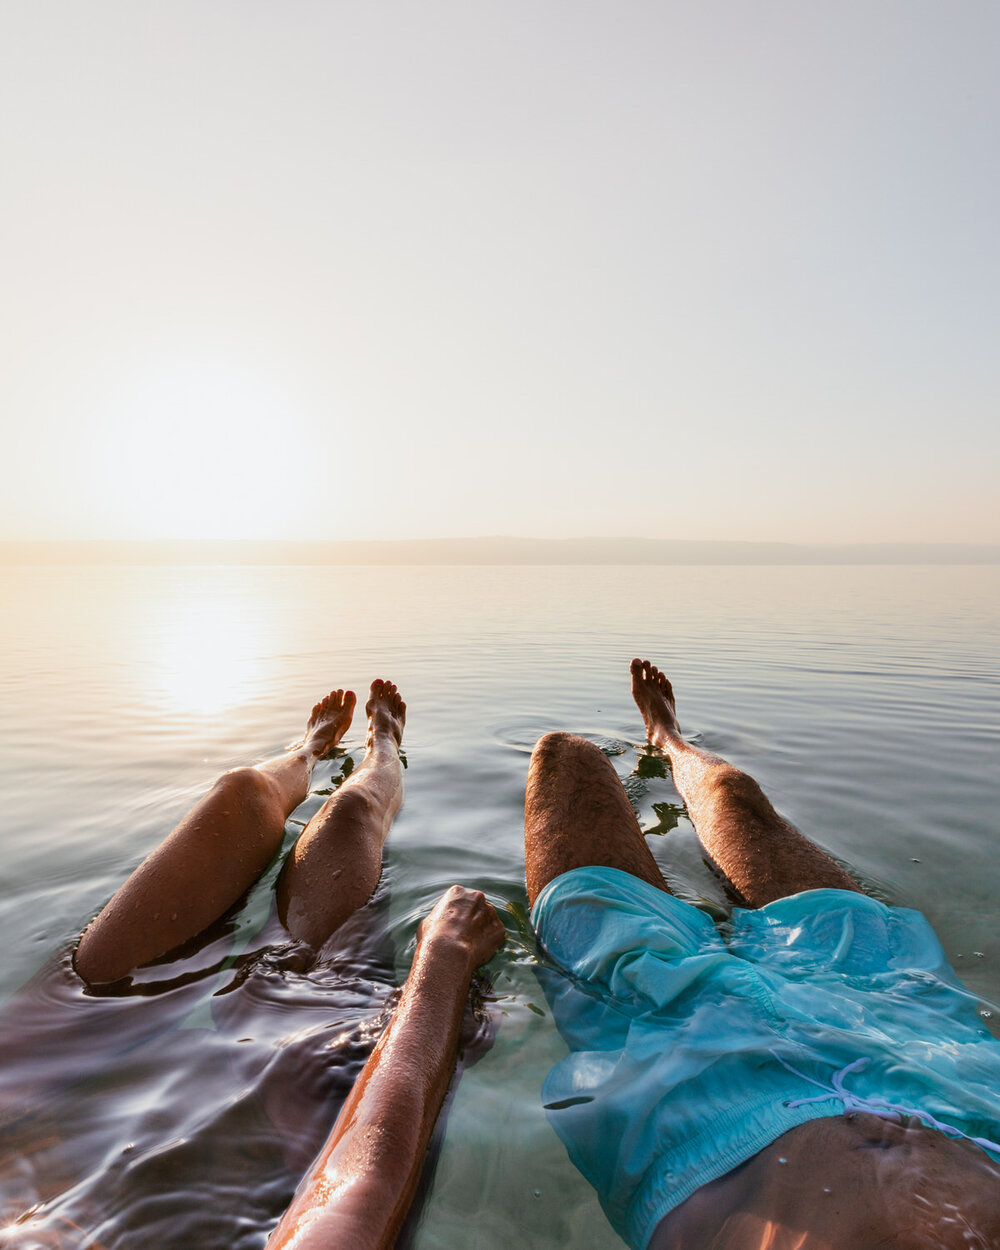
x: 865, y: 700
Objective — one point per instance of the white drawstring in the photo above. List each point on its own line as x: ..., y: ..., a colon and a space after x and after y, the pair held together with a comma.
x: 876, y: 1106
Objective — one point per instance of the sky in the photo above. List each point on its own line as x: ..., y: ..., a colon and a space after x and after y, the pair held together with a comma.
x: 330, y: 270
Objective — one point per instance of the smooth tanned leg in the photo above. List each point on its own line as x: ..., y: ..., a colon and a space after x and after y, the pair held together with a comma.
x: 213, y: 856
x: 577, y: 814
x: 761, y: 853
x: 334, y: 867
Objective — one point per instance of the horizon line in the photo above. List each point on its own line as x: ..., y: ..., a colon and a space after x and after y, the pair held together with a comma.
x: 491, y: 550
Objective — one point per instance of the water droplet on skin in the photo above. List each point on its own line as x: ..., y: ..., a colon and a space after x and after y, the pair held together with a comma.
x: 173, y: 915
x: 538, y: 1193
x: 987, y: 1015
x: 979, y: 954
x: 782, y: 1160
x: 914, y: 860
x: 825, y: 1190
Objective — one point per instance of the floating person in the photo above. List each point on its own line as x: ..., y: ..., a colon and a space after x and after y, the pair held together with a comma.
x: 51, y: 1035
x: 811, y: 1076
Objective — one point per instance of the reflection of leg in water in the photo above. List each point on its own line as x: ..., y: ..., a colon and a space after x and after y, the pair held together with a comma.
x: 213, y: 856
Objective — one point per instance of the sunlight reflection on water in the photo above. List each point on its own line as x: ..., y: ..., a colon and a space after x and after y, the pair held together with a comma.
x: 205, y: 656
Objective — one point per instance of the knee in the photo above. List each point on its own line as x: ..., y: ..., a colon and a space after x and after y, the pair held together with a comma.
x: 354, y: 806
x: 730, y: 784
x: 560, y: 764
x: 558, y: 747
x: 247, y: 788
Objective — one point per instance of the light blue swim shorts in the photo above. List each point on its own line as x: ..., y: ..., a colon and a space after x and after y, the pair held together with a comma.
x: 693, y: 1047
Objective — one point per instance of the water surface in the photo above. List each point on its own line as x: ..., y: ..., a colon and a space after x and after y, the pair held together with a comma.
x: 865, y: 700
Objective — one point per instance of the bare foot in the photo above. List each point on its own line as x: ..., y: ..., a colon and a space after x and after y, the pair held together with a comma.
x: 386, y: 712
x: 654, y: 697
x: 329, y: 721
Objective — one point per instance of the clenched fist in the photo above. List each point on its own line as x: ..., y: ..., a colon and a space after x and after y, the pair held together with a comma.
x: 466, y: 918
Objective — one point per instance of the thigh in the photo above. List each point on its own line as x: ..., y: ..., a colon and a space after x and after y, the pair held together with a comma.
x: 576, y: 813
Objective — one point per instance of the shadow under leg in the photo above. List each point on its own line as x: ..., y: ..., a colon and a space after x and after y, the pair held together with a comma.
x: 577, y: 814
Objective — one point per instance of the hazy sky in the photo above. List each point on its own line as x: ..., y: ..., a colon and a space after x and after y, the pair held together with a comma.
x: 319, y: 269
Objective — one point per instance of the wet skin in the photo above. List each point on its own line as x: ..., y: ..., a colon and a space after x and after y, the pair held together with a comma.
x: 359, y: 1189
x: 846, y: 1183
x: 357, y: 1192
x: 840, y: 1183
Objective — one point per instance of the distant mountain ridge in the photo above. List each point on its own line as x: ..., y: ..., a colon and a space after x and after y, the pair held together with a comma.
x: 497, y: 551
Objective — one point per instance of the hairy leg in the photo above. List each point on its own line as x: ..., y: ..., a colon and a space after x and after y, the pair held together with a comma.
x: 334, y: 867
x: 576, y: 813
x: 761, y: 853
x: 214, y: 855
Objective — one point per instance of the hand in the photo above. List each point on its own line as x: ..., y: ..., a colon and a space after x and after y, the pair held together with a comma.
x: 465, y: 917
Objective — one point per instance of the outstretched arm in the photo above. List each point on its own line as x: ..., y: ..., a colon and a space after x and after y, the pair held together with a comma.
x: 357, y: 1193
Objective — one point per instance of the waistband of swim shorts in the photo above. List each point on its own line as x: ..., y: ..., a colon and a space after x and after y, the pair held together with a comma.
x: 593, y: 876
